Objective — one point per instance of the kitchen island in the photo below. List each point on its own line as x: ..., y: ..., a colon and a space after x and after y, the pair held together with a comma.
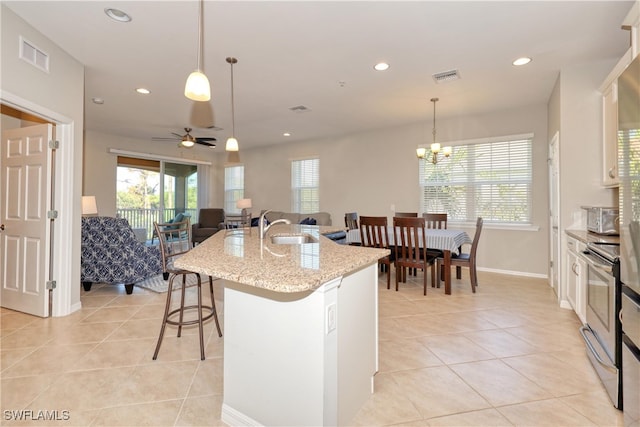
x: 300, y: 324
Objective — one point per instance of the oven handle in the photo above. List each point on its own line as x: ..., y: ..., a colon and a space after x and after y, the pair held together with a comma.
x: 583, y: 332
x: 595, y: 262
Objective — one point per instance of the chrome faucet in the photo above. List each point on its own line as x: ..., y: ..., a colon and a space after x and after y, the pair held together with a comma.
x: 264, y: 228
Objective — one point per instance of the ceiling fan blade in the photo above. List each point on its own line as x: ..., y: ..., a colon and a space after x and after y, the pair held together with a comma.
x: 205, y: 138
x: 205, y: 143
x: 177, y: 135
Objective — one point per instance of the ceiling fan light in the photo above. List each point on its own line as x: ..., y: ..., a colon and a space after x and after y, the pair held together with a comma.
x: 232, y: 144
x: 197, y: 87
x: 187, y: 143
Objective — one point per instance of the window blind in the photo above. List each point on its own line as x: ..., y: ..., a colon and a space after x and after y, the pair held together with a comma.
x: 305, y: 191
x: 233, y: 188
x: 491, y: 179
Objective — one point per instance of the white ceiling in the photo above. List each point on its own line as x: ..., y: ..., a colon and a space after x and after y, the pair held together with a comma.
x: 297, y: 53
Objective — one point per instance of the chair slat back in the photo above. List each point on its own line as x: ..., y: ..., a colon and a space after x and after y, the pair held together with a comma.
x: 351, y: 220
x: 406, y: 215
x: 175, y: 240
x: 435, y: 220
x: 409, y: 232
x: 373, y: 231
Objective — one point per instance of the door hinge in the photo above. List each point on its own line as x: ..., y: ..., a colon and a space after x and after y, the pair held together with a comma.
x: 54, y: 144
x: 53, y: 214
x: 51, y: 284
x: 551, y: 264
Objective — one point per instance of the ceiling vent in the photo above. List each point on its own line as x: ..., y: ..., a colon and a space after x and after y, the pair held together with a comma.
x: 446, y: 76
x: 300, y: 109
x: 34, y: 56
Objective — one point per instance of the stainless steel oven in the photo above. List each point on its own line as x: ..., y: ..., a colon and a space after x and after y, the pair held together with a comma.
x: 602, y: 332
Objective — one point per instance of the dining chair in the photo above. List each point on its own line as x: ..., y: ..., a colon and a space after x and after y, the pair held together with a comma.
x: 175, y: 241
x: 351, y: 220
x: 435, y: 220
x: 409, y: 237
x: 466, y: 259
x: 374, y: 234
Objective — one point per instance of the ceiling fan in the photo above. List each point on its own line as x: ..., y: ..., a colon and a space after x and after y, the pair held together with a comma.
x: 187, y: 140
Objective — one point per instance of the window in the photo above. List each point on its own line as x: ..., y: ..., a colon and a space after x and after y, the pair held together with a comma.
x: 491, y: 179
x: 305, y: 191
x: 233, y: 188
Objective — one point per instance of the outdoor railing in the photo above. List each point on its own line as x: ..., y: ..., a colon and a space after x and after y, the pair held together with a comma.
x: 144, y: 218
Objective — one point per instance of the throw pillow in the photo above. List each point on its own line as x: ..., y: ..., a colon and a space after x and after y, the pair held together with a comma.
x: 308, y: 221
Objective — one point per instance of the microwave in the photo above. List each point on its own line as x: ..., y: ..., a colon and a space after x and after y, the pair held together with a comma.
x: 603, y: 220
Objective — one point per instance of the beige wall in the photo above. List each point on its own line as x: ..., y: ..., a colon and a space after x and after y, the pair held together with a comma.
x: 100, y: 165
x: 57, y: 96
x: 369, y: 172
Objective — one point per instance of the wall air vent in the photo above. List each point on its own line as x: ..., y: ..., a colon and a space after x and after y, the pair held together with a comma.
x: 300, y: 109
x: 446, y: 76
x: 34, y: 56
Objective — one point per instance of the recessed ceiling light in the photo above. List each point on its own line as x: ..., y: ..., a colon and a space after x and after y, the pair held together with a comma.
x: 286, y: 134
x: 97, y: 100
x: 381, y: 66
x: 143, y: 91
x: 117, y: 15
x: 522, y: 61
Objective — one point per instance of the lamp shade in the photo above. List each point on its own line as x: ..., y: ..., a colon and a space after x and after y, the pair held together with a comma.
x: 197, y: 87
x: 89, y: 206
x: 232, y: 144
x: 243, y: 204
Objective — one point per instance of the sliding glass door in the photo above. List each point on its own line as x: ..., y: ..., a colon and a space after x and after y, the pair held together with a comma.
x: 155, y: 190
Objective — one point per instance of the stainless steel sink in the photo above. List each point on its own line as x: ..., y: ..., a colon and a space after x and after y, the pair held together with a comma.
x: 293, y: 239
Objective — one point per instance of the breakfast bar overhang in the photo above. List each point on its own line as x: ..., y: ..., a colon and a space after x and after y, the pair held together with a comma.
x: 300, y: 325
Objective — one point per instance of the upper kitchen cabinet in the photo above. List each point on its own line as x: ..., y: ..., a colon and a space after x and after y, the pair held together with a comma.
x: 610, y: 136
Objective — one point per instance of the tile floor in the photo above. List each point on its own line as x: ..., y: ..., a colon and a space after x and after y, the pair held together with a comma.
x: 507, y: 355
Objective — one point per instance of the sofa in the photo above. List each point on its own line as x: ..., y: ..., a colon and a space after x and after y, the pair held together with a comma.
x: 110, y: 253
x: 210, y: 221
x: 321, y: 218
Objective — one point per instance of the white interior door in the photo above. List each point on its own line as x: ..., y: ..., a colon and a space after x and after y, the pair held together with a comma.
x: 554, y: 213
x: 25, y: 195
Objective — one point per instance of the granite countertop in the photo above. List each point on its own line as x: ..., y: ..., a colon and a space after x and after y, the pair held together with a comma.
x: 589, y: 237
x: 240, y: 256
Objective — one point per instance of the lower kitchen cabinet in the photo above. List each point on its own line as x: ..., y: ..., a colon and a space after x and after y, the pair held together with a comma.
x: 575, y: 283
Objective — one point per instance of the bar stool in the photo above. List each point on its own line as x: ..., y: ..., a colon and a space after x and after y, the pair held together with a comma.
x: 175, y: 240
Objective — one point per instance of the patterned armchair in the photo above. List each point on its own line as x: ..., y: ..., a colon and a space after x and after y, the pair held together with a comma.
x: 112, y: 254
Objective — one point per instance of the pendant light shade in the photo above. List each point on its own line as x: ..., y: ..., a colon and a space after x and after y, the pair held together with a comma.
x: 232, y: 142
x: 197, y: 87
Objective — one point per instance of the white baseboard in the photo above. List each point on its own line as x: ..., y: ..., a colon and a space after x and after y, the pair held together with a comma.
x: 233, y: 417
x: 514, y: 273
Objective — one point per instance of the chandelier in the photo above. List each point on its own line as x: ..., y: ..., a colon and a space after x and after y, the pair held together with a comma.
x: 421, y: 152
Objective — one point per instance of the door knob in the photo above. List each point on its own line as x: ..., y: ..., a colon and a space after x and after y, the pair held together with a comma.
x: 1, y: 227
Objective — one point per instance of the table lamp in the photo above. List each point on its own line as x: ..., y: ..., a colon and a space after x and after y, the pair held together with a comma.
x: 89, y: 206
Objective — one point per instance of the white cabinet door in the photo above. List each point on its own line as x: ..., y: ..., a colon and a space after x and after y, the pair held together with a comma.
x: 572, y: 279
x: 610, y: 136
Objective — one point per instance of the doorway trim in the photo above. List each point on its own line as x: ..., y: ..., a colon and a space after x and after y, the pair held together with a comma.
x: 66, y: 262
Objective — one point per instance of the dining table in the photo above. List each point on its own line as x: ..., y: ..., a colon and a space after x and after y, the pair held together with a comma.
x: 448, y: 240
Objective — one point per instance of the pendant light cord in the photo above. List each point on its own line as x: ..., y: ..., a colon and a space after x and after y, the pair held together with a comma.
x: 434, y: 118
x: 200, y: 22
x: 233, y: 112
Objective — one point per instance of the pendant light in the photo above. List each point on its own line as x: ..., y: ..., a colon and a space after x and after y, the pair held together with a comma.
x: 197, y: 87
x: 421, y: 152
x: 232, y: 143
